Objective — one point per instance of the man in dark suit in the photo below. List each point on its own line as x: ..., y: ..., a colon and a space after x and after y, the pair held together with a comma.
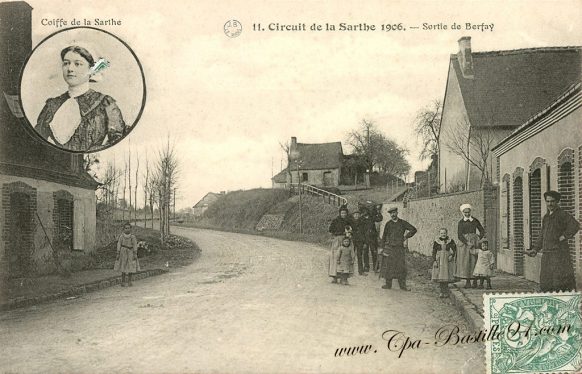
x: 557, y: 271
x: 396, y: 231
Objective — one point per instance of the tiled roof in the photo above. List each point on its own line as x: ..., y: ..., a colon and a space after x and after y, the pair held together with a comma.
x: 281, y: 177
x: 319, y: 156
x: 208, y: 199
x: 511, y: 86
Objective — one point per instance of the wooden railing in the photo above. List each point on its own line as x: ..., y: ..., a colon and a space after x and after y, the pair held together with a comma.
x: 328, y: 197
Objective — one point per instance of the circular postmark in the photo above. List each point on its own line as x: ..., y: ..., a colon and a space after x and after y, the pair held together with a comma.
x: 232, y: 28
x: 82, y: 90
x: 540, y: 333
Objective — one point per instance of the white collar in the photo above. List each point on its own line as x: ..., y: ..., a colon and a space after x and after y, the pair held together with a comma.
x: 470, y: 219
x: 79, y: 90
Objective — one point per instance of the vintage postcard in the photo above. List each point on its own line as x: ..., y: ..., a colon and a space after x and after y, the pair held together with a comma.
x: 290, y: 187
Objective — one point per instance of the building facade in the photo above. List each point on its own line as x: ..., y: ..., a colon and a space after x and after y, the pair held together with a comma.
x: 545, y: 153
x: 315, y: 164
x: 490, y: 94
x: 47, y: 199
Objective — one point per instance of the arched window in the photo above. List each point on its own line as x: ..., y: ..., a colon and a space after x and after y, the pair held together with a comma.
x: 535, y: 205
x: 505, y: 211
x: 518, y: 220
x: 566, y: 188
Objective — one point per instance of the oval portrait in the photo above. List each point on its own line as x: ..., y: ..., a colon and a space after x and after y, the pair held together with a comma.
x: 82, y: 89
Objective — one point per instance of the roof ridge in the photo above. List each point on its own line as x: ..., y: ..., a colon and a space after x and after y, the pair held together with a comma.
x: 320, y: 143
x: 524, y: 50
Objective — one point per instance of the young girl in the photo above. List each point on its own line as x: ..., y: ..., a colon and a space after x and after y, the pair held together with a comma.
x: 444, y: 250
x: 485, y: 264
x: 345, y: 260
x: 126, y: 261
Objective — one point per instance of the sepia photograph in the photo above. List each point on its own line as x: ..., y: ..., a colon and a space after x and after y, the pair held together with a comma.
x: 291, y: 187
x: 82, y: 118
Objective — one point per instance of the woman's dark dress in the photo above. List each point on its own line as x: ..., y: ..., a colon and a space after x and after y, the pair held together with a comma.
x: 100, y: 118
x: 465, y: 259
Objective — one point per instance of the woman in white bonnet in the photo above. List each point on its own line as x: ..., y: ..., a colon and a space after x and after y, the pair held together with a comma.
x: 81, y: 119
x: 467, y: 250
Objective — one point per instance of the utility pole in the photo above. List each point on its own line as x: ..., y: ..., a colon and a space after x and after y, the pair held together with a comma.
x: 300, y: 201
x: 369, y: 151
x: 174, y: 203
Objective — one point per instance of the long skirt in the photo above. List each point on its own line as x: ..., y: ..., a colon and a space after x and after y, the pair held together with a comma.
x: 335, y: 245
x: 444, y: 272
x: 557, y: 272
x: 393, y: 263
x: 127, y: 263
x: 465, y: 262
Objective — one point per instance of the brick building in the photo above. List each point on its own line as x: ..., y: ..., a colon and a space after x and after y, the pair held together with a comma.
x: 489, y: 95
x: 543, y: 153
x: 48, y: 199
x: 316, y: 164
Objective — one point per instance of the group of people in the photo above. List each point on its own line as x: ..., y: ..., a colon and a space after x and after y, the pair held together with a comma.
x: 472, y: 260
x: 354, y: 236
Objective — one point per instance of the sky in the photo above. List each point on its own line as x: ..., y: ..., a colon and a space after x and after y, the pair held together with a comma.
x: 226, y: 103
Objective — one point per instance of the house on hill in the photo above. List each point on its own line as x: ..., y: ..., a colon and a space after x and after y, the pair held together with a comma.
x: 48, y: 200
x: 489, y: 95
x: 544, y: 153
x: 316, y: 164
x: 201, y: 206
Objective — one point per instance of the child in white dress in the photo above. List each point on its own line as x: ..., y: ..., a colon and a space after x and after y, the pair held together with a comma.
x: 485, y: 265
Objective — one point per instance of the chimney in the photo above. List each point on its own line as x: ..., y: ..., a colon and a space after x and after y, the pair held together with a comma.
x: 465, y: 58
x: 15, y: 43
x: 293, y: 142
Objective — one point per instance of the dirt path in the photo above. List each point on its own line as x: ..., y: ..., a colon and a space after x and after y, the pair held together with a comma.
x: 248, y: 304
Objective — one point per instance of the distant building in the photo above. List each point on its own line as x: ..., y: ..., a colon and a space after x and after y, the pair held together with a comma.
x: 493, y: 93
x: 316, y: 164
x: 201, y: 206
x: 48, y: 200
x: 542, y: 154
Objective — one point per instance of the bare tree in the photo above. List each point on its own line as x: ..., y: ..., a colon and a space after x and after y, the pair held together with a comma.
x: 286, y: 147
x: 124, y: 188
x: 90, y: 161
x: 427, y: 125
x: 473, y: 146
x: 135, y: 189
x: 165, y: 176
x: 129, y: 178
x: 105, y: 191
x: 145, y: 191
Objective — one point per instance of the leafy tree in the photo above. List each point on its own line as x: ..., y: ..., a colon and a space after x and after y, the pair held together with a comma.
x: 378, y: 151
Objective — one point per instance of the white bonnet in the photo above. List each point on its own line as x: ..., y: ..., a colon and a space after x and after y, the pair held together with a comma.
x: 465, y: 206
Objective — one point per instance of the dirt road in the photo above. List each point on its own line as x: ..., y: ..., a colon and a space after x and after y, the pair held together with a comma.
x: 248, y: 304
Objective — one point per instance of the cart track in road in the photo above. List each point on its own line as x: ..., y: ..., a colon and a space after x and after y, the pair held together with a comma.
x: 248, y: 304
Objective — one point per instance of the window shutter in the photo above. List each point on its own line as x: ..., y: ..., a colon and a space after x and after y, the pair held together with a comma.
x: 78, y: 225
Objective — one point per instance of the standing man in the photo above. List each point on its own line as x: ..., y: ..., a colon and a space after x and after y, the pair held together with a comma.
x: 358, y: 236
x: 370, y: 219
x: 396, y: 231
x: 557, y: 272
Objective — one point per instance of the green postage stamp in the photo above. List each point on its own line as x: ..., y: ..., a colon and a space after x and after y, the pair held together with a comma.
x: 533, y: 333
